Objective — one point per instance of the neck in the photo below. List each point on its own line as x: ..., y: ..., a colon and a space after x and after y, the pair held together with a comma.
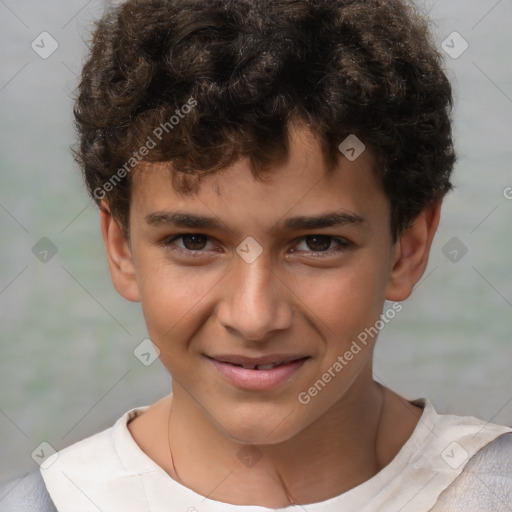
x: 340, y: 450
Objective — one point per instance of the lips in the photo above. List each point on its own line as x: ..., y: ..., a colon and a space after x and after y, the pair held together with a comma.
x: 258, y: 374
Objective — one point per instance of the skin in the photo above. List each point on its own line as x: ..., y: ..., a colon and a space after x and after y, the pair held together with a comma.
x: 286, y: 301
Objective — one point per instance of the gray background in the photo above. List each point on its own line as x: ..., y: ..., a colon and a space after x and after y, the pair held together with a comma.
x: 67, y: 368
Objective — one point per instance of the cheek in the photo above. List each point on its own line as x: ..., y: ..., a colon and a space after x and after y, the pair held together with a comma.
x: 348, y: 300
x: 175, y: 301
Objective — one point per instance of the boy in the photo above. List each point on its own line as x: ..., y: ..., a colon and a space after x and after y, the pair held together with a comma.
x: 268, y: 175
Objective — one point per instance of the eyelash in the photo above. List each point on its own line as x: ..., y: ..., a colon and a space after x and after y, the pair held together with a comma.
x: 343, y: 245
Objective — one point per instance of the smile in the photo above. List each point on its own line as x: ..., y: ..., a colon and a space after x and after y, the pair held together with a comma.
x: 257, y: 377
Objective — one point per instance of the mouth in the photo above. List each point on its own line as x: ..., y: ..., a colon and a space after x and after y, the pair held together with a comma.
x: 269, y: 366
x: 258, y: 374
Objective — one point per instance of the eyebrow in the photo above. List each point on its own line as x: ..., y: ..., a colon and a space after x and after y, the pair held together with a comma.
x: 190, y: 220
x: 325, y: 220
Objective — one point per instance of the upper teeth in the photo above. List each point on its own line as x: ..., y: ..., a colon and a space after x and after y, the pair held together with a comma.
x: 261, y: 366
x: 267, y: 366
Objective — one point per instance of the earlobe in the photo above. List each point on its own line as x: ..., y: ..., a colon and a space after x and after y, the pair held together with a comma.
x: 411, y: 254
x: 119, y: 256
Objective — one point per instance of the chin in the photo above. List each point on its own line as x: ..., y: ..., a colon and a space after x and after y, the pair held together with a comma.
x: 260, y: 429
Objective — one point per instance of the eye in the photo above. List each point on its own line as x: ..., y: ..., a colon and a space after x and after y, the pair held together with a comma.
x: 321, y: 244
x: 193, y: 244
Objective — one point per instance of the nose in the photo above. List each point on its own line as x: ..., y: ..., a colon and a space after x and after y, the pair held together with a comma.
x: 255, y: 303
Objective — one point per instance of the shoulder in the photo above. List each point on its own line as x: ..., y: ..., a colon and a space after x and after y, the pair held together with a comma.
x: 26, y: 494
x: 34, y: 491
x: 101, y: 468
x: 495, y: 458
x: 485, y: 483
x: 31, y: 493
x: 93, y: 455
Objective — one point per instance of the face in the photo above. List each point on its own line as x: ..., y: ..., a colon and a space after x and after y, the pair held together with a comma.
x: 293, y: 269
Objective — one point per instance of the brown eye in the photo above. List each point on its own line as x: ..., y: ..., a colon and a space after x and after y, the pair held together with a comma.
x: 194, y: 242
x: 190, y: 245
x: 318, y: 243
x: 319, y: 246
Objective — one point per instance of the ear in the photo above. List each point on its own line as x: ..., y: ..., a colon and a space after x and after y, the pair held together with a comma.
x: 119, y: 256
x: 411, y: 252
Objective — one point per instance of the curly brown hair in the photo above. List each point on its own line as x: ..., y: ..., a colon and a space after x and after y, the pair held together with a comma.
x: 210, y: 82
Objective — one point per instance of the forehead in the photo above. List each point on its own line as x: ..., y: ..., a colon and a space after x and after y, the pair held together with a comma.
x: 301, y: 185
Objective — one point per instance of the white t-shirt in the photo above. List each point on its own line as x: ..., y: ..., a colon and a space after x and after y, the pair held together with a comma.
x: 109, y: 472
